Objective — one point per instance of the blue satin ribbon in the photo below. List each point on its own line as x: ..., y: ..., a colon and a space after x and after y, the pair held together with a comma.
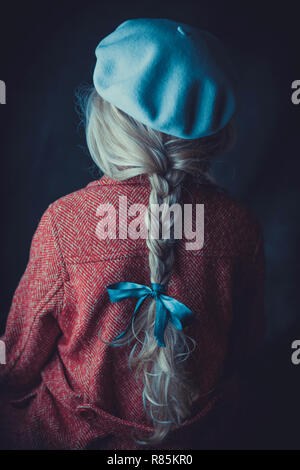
x: 167, y: 308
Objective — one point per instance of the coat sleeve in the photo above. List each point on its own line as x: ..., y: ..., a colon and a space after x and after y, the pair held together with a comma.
x: 32, y: 326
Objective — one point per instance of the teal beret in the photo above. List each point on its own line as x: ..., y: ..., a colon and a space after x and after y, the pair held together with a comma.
x: 172, y: 77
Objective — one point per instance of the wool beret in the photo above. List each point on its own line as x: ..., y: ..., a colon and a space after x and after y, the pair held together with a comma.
x: 173, y: 77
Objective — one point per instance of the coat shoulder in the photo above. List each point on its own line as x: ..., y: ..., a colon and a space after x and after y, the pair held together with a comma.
x: 231, y: 226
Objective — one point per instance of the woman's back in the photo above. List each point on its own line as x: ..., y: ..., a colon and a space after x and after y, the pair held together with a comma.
x: 87, y: 377
x: 96, y: 356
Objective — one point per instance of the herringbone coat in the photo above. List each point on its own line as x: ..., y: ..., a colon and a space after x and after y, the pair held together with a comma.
x: 65, y: 389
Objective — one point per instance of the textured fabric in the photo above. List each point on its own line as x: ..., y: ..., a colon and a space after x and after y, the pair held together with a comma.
x: 62, y: 388
x: 170, y: 76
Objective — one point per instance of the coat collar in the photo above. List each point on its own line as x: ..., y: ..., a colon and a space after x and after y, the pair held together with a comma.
x: 107, y: 180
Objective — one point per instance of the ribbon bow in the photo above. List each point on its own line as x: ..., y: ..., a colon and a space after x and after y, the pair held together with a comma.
x: 167, y: 308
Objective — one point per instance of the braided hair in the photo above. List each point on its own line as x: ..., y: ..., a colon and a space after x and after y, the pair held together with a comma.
x: 122, y: 148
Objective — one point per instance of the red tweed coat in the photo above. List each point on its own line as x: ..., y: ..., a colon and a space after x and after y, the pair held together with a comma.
x: 62, y: 388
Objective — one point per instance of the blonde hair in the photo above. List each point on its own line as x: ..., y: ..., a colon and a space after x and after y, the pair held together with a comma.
x: 122, y: 148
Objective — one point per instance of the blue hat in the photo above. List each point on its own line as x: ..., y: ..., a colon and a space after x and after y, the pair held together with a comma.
x: 170, y: 76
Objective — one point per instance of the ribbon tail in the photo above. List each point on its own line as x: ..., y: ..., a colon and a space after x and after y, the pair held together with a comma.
x: 161, y: 320
x: 178, y: 312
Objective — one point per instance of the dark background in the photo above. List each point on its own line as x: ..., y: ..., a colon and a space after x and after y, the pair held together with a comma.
x: 47, y: 51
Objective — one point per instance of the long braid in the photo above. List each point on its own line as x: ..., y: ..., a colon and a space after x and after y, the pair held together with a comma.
x: 123, y: 147
x: 166, y: 385
x: 161, y: 251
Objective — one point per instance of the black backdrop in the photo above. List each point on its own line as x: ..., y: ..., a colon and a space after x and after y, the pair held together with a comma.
x: 47, y: 50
